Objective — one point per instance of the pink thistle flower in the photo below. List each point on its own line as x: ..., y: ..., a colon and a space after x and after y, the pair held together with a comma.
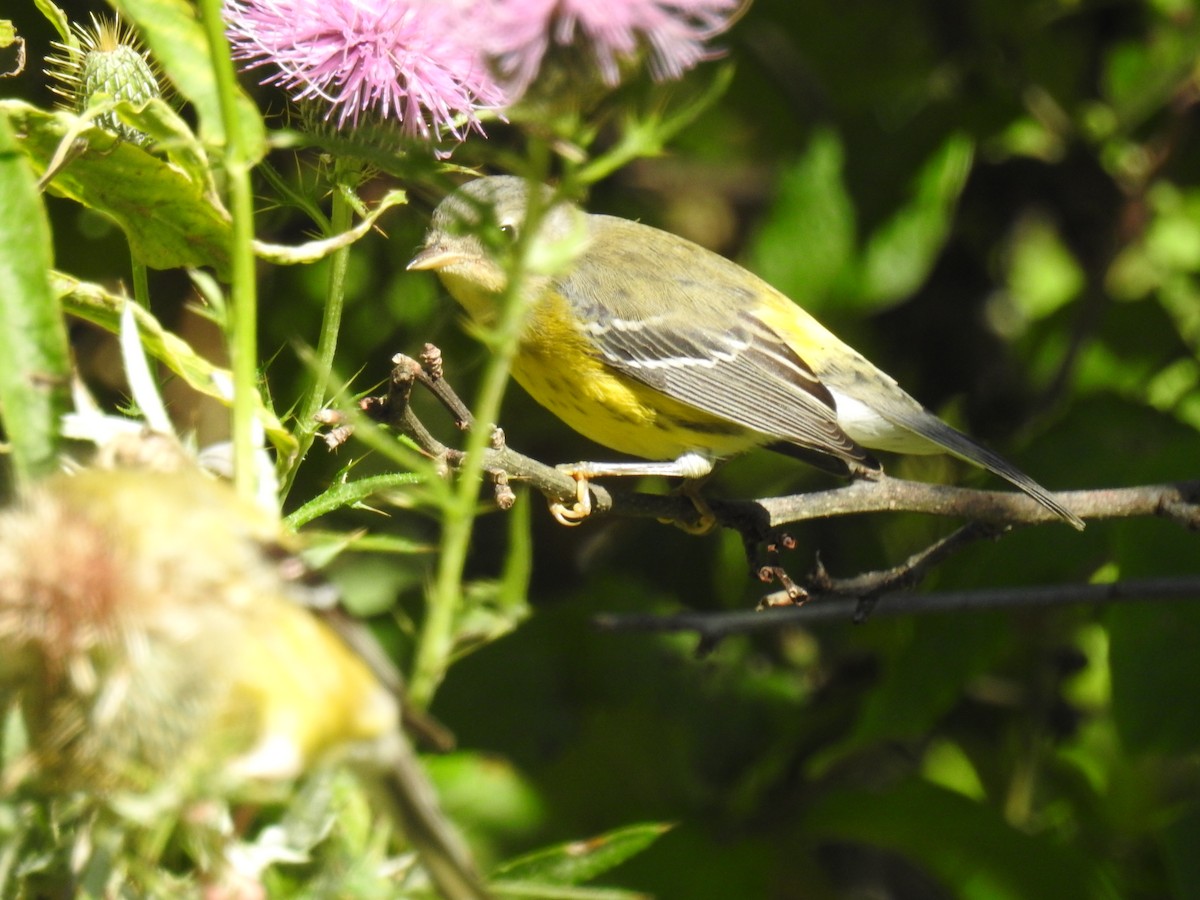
x: 419, y: 61
x: 674, y: 30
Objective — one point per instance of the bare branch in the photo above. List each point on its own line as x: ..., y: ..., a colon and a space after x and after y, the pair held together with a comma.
x: 756, y: 519
x: 503, y: 464
x: 867, y: 587
x: 990, y: 513
x: 1177, y: 502
x: 712, y: 627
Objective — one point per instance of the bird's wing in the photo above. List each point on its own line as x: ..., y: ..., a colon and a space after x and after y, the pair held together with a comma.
x: 717, y: 357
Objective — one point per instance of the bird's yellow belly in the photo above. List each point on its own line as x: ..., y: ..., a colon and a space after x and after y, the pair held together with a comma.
x: 557, y: 368
x: 556, y: 365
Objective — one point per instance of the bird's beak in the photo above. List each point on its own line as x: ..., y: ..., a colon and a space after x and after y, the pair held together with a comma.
x: 433, y: 257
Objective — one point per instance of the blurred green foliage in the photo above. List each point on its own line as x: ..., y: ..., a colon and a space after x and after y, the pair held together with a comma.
x: 999, y: 203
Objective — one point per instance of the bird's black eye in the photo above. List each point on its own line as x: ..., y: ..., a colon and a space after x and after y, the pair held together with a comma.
x: 509, y: 230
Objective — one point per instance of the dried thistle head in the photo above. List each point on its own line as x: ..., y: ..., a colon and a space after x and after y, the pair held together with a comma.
x: 154, y: 631
x: 105, y: 59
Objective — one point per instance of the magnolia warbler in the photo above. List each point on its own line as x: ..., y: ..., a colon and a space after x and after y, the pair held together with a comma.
x: 656, y: 347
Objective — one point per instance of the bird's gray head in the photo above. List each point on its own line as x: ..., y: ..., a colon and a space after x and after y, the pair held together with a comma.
x: 499, y: 200
x: 474, y: 227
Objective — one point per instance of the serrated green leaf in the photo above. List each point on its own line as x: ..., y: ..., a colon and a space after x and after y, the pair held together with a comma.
x: 807, y: 242
x: 901, y: 253
x: 315, y: 250
x: 579, y: 861
x: 33, y: 339
x: 169, y: 220
x: 172, y: 136
x: 344, y: 494
x: 177, y: 41
x: 96, y: 305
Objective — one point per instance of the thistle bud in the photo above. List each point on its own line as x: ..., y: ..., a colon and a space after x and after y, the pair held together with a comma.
x: 104, y: 60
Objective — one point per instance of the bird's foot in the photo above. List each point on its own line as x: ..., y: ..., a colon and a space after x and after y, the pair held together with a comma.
x: 572, y: 515
x: 706, y: 519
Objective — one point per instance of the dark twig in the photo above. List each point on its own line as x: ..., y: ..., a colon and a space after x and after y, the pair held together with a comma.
x: 431, y: 373
x: 867, y: 587
x: 502, y: 463
x: 713, y: 627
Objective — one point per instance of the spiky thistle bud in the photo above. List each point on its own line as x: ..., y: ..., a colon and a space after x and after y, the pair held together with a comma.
x: 104, y: 60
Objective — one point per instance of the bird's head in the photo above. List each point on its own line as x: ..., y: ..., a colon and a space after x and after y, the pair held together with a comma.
x: 474, y: 231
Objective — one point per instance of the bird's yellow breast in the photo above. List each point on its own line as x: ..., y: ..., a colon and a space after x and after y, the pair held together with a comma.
x: 561, y: 373
x: 556, y: 364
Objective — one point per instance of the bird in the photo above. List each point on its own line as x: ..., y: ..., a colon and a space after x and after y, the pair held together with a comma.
x: 653, y: 346
x: 159, y: 635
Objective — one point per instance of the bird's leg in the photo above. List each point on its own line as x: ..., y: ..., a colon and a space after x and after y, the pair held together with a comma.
x: 689, y: 466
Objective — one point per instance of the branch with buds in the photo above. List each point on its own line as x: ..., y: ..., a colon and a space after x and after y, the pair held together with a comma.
x: 990, y: 513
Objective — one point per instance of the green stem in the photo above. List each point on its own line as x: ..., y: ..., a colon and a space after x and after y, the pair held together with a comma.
x: 141, y: 281
x: 435, y: 646
x: 344, y: 494
x: 331, y: 322
x: 242, y: 327
x: 436, y: 642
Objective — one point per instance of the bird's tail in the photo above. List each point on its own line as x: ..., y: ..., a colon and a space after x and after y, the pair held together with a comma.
x: 933, y: 429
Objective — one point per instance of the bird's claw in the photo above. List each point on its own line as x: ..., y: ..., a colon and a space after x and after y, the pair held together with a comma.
x: 572, y: 515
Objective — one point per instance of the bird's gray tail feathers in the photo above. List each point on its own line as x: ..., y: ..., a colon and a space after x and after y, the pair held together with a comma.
x: 958, y: 444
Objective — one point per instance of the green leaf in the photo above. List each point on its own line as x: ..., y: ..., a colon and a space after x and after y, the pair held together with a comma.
x: 807, y: 241
x: 96, y: 305
x: 177, y: 41
x: 1043, y: 275
x: 901, y: 253
x: 579, y: 861
x: 966, y: 845
x: 169, y: 219
x: 484, y: 793
x: 344, y: 494
x: 11, y: 47
x: 312, y: 251
x: 58, y: 19
x: 1140, y: 76
x: 172, y: 136
x: 33, y: 338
